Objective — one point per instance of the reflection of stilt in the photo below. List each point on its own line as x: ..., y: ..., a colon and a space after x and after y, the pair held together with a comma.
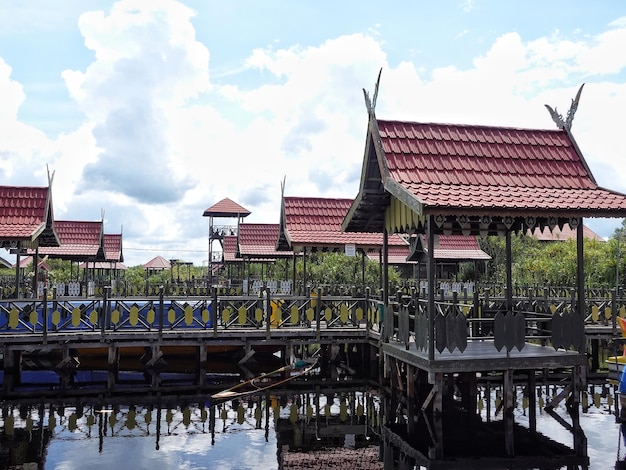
x: 508, y: 416
x: 572, y: 393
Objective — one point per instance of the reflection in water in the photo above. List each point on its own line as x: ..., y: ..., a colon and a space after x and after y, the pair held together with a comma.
x: 339, y: 426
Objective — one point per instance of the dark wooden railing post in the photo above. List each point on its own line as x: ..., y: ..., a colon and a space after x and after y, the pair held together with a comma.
x: 44, y: 315
x: 268, y: 308
x: 366, y: 308
x: 214, y: 310
x: 318, y: 308
x: 161, y: 312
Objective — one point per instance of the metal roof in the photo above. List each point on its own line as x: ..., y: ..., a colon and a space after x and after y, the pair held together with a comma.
x: 316, y: 223
x: 230, y: 249
x: 26, y: 216
x: 483, y: 174
x: 157, y: 263
x: 226, y: 208
x: 113, y: 247
x: 259, y: 241
x: 79, y: 240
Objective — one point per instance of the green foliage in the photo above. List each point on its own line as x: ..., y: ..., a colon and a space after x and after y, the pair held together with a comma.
x: 339, y: 269
x: 551, y: 263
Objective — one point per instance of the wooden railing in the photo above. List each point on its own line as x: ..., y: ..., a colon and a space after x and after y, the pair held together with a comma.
x: 109, y: 315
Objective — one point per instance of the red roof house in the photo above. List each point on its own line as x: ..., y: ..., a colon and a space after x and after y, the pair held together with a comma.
x: 475, y: 179
x: 158, y: 263
x: 26, y: 217
x: 79, y: 241
x: 226, y: 208
x: 113, y: 247
x: 315, y: 223
x: 258, y: 241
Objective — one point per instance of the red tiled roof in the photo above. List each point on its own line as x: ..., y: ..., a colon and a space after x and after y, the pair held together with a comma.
x: 25, y: 212
x: 103, y: 265
x: 156, y: 263
x: 450, y: 247
x: 458, y: 247
x: 79, y: 239
x: 226, y: 208
x: 230, y: 249
x: 113, y: 247
x: 567, y: 233
x: 259, y: 241
x: 481, y: 167
x: 311, y: 221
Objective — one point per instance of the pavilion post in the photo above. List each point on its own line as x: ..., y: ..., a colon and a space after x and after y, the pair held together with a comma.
x: 430, y: 273
x: 509, y: 272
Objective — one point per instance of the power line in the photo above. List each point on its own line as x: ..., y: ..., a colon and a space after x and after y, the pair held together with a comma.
x: 164, y: 249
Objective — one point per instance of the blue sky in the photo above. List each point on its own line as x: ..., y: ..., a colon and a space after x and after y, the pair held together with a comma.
x: 152, y: 111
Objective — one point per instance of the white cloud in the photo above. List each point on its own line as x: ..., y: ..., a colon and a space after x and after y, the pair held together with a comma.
x: 161, y: 142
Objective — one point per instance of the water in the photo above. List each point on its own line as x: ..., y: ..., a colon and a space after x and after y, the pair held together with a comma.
x: 186, y: 432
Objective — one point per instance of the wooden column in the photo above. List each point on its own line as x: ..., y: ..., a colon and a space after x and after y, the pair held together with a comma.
x: 430, y: 274
x: 509, y: 273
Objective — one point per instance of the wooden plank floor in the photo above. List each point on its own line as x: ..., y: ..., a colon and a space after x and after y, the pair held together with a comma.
x: 483, y: 356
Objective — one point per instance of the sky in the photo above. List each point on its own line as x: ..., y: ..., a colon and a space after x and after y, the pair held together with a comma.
x: 147, y: 112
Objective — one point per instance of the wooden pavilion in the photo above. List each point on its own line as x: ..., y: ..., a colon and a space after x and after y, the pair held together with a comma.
x: 27, y: 222
x: 311, y: 224
x: 224, y: 209
x: 470, y: 180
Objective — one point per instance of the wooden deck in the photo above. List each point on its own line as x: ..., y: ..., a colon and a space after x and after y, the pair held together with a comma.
x: 483, y: 356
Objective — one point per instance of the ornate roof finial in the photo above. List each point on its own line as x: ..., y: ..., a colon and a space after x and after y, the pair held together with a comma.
x: 371, y: 104
x: 558, y: 118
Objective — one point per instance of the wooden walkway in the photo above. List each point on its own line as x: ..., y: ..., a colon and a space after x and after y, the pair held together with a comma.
x: 480, y: 356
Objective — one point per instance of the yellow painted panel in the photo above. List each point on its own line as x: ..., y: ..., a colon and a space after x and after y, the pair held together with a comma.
x: 76, y: 316
x: 171, y: 315
x: 278, y: 315
x: 622, y: 311
x: 148, y: 417
x: 343, y: 411
x: 188, y: 315
x: 328, y: 314
x: 359, y: 314
x: 553, y: 309
x: 359, y: 410
x: 295, y: 315
x: 56, y: 318
x: 258, y: 314
x: 33, y: 318
x: 150, y: 316
x: 226, y: 315
x: 466, y: 310
x: 93, y: 317
x: 310, y: 314
x: 608, y: 313
x: 13, y: 318
x: 343, y: 313
x: 243, y: 315
x: 115, y: 316
x: 595, y: 313
x: 133, y: 315
x: 205, y: 315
